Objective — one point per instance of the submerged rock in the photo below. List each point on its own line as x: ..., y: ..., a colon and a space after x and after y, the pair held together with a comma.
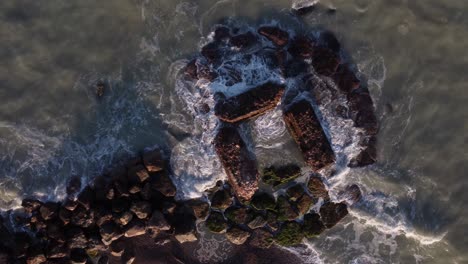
x: 274, y: 34
x: 278, y: 175
x: 307, y: 131
x: 237, y: 162
x: 249, y: 104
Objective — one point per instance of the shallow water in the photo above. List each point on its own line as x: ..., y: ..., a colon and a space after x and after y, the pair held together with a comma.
x: 411, y: 52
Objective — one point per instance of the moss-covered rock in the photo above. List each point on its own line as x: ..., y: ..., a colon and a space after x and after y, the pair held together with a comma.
x: 216, y: 222
x: 313, y: 226
x: 239, y: 215
x: 263, y: 201
x: 285, y: 210
x: 304, y: 203
x: 290, y: 234
x: 295, y: 192
x: 276, y: 176
x: 261, y: 238
x: 222, y: 199
x: 272, y: 220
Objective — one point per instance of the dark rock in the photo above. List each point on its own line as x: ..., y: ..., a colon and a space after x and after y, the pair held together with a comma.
x: 362, y: 111
x: 216, y: 222
x: 200, y: 209
x: 168, y: 208
x: 37, y: 258
x: 285, y: 210
x: 263, y: 201
x: 272, y: 220
x: 325, y: 61
x: 30, y: 204
x: 301, y: 47
x: 163, y: 183
x: 73, y: 186
x: 274, y: 34
x: 237, y: 236
x: 211, y: 52
x: 22, y: 242
x: 158, y: 222
x: 237, y: 162
x: 146, y: 191
x: 141, y: 209
x: 332, y: 213
x: 134, y: 188
x: 221, y: 200
x: 295, y: 192
x: 138, y: 174
x: 221, y: 33
x: 345, y: 79
x: 207, y: 73
x: 261, y: 238
x: 56, y: 250
x: 55, y: 231
x: 328, y: 40
x: 249, y: 104
x: 243, y: 40
x: 120, y: 205
x: 6, y: 256
x: 304, y: 8
x: 304, y: 203
x: 75, y: 237
x: 312, y: 226
x: 102, y: 214
x: 295, y: 68
x: 135, y: 228
x: 103, y: 260
x: 128, y: 257
x: 100, y: 87
x: 82, y: 218
x: 257, y: 222
x: 117, y: 247
x: 279, y: 175
x: 183, y: 222
x: 191, y: 69
x: 86, y: 197
x: 109, y: 232
x: 351, y: 195
x: 239, y: 215
x: 153, y: 160
x: 307, y: 131
x: 78, y: 256
x: 290, y: 234
x: 65, y: 215
x: 367, y: 156
x: 317, y: 188
x: 70, y: 205
x: 49, y: 210
x: 124, y: 218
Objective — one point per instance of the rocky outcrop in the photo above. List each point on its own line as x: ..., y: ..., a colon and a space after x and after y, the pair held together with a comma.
x: 274, y: 34
x: 238, y: 164
x: 307, y: 131
x: 249, y: 104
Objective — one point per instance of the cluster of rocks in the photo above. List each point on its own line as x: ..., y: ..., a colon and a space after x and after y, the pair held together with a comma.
x: 265, y: 220
x: 132, y: 200
x: 294, y: 57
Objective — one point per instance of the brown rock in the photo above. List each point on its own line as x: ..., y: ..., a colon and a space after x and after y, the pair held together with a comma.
x: 306, y: 130
x: 274, y: 34
x: 261, y: 238
x: 351, y: 195
x: 257, y: 222
x: 141, y: 209
x: 153, y: 160
x: 200, y: 209
x: 117, y: 247
x: 128, y: 257
x: 249, y: 104
x: 238, y: 215
x: 304, y: 203
x: 332, y: 213
x: 317, y: 188
x: 123, y: 218
x: 345, y: 79
x: 301, y: 47
x: 78, y: 256
x: 285, y: 209
x: 237, y: 236
x: 109, y: 232
x: 238, y: 164
x: 221, y: 199
x: 49, y: 210
x: 36, y: 259
x: 137, y: 174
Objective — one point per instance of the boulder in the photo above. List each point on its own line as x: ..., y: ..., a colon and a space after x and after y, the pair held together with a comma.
x: 82, y: 217
x: 153, y: 160
x: 362, y: 111
x: 109, y: 232
x: 56, y: 250
x: 103, y: 260
x: 317, y: 188
x: 120, y: 205
x: 263, y: 201
x: 272, y: 220
x: 86, y: 197
x: 257, y: 222
x: 211, y: 52
x: 368, y: 154
x: 78, y: 256
x: 183, y: 222
x: 295, y: 192
x: 290, y: 234
x: 55, y: 231
x: 325, y: 61
x: 102, y: 214
x: 216, y: 222
x: 301, y: 47
x: 200, y: 209
x: 138, y: 174
x: 237, y: 236
x: 49, y: 210
x: 312, y: 226
x: 141, y: 209
x: 134, y: 188
x: 328, y: 40
x: 135, y: 228
x: 128, y: 257
x: 163, y: 183
x: 251, y: 103
x: 244, y: 40
x: 169, y: 208
x: 331, y: 213
x: 278, y: 175
x: 30, y: 204
x: 206, y: 72
x: 274, y: 34
x: 221, y: 33
x: 65, y: 215
x: 117, y: 247
x: 188, y: 236
x: 124, y: 218
x: 345, y: 79
x: 304, y: 203
x: 70, y: 204
x: 190, y: 69
x: 351, y: 195
x: 261, y: 238
x: 75, y: 237
x: 221, y: 200
x: 239, y: 215
x: 285, y: 210
x: 307, y: 131
x: 146, y: 192
x: 237, y: 162
x: 158, y: 223
x: 36, y: 258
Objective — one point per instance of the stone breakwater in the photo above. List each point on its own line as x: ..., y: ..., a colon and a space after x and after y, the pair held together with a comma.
x: 96, y: 221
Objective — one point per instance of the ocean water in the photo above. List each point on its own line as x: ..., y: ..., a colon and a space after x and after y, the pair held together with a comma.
x: 410, y: 53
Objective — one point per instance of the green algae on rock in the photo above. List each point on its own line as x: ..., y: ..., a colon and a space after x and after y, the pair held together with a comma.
x: 263, y: 201
x: 285, y: 210
x: 278, y: 175
x: 290, y: 234
x: 216, y: 222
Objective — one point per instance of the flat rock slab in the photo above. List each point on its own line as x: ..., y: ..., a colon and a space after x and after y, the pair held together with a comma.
x: 238, y: 164
x: 306, y: 130
x: 249, y: 104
